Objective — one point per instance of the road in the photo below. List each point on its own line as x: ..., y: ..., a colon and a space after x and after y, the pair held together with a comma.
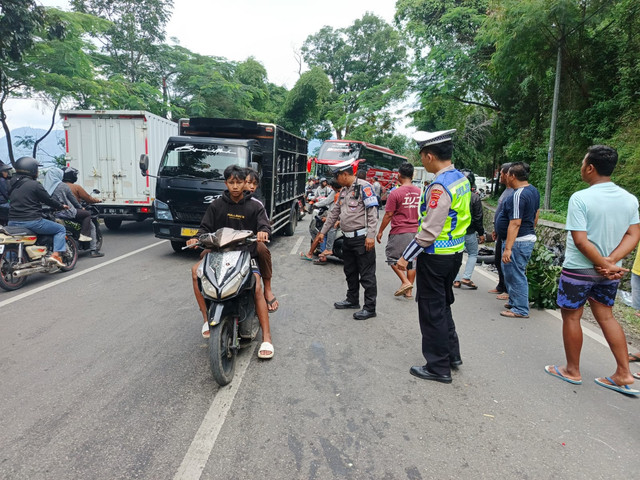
x: 104, y: 375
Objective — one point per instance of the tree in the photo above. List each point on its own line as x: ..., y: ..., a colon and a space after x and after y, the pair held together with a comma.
x: 366, y: 65
x: 305, y: 106
x: 137, y: 28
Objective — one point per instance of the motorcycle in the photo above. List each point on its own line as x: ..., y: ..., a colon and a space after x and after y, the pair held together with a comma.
x: 73, y: 228
x: 316, y: 225
x: 227, y: 284
x: 24, y: 253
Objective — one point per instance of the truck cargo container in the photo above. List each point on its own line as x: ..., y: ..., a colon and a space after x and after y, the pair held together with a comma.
x: 105, y: 146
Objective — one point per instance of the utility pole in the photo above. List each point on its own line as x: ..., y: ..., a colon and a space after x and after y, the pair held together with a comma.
x: 552, y: 135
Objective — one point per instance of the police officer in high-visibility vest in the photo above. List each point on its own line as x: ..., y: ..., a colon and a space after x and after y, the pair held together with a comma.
x: 444, y: 215
x: 357, y: 210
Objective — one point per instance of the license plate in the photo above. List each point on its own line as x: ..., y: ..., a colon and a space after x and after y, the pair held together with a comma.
x: 188, y: 232
x: 1, y: 248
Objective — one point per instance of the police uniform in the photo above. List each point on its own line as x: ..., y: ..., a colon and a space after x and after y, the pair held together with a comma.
x: 357, y: 210
x: 444, y: 215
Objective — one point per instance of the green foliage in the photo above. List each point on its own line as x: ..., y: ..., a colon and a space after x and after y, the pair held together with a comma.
x: 365, y: 63
x: 543, y: 276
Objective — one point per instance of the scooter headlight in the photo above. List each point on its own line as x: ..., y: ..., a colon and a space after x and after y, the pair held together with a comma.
x: 208, y: 287
x: 233, y: 286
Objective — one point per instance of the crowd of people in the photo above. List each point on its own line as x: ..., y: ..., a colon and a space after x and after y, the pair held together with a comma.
x: 431, y: 229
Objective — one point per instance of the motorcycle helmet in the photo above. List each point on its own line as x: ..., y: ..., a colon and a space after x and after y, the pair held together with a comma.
x: 323, y: 180
x: 5, y: 167
x: 27, y: 166
x: 70, y: 175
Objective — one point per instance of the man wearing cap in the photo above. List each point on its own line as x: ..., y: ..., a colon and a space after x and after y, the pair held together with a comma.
x: 357, y: 210
x: 444, y: 215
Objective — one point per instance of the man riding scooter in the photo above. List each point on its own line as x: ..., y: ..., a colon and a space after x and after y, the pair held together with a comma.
x: 26, y: 196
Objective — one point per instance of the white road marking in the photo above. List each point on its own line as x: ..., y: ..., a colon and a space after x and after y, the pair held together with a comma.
x: 295, y: 248
x: 200, y: 449
x: 76, y: 275
x: 585, y: 326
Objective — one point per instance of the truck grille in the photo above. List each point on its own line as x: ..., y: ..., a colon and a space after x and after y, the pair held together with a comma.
x: 188, y: 217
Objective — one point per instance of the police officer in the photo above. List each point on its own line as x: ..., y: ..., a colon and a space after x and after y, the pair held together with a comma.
x: 357, y: 210
x: 443, y: 220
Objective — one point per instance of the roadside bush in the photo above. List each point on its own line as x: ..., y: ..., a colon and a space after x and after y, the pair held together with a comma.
x: 543, y: 277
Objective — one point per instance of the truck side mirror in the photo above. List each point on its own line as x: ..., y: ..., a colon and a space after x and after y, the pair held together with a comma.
x: 144, y: 164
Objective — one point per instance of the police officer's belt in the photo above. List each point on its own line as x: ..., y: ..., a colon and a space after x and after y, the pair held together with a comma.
x: 357, y: 233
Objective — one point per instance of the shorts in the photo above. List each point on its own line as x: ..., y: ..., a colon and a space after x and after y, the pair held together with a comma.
x: 576, y: 286
x: 396, y: 245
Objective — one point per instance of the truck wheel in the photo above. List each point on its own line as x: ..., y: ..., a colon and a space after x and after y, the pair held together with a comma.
x: 177, y: 246
x: 221, y: 354
x: 112, y: 223
x: 290, y: 228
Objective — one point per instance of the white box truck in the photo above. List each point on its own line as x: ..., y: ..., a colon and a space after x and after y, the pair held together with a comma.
x: 105, y: 146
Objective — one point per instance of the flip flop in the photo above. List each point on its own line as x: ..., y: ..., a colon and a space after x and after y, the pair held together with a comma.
x: 457, y: 284
x: 205, y: 330
x: 469, y: 284
x: 510, y: 314
x: 626, y: 389
x: 636, y: 375
x: 556, y: 373
x: 303, y: 256
x: 495, y: 291
x: 503, y: 296
x: 270, y: 303
x: 265, y: 347
x: 402, y: 290
x: 633, y: 358
x: 320, y: 262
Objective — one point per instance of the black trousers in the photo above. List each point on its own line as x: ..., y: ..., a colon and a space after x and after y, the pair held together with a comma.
x: 434, y: 276
x: 497, y: 261
x: 360, y: 269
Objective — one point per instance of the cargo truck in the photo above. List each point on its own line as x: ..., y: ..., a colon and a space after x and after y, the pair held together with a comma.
x: 105, y: 146
x: 190, y: 174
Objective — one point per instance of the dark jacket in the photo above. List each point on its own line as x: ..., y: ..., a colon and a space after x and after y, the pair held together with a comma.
x: 4, y: 190
x: 26, y: 197
x: 247, y: 214
x: 476, y: 215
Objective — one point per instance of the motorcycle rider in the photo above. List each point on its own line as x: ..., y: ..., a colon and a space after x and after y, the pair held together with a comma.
x: 323, y: 191
x: 4, y: 192
x: 61, y: 192
x: 237, y: 209
x: 70, y: 177
x: 26, y: 196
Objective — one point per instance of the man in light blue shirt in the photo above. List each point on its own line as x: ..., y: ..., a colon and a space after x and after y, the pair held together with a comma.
x: 603, y: 228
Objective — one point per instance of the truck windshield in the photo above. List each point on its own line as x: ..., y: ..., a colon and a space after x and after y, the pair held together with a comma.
x: 339, y: 151
x: 202, y: 160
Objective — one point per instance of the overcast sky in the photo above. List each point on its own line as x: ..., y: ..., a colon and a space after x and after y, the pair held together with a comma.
x: 269, y: 30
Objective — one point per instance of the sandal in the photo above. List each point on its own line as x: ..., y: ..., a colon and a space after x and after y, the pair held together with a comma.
x: 304, y: 256
x: 510, y: 314
x: 270, y: 304
x: 457, y: 284
x: 469, y: 284
x: 503, y: 296
x: 634, y: 358
x: 265, y: 347
x: 402, y: 290
x: 205, y: 330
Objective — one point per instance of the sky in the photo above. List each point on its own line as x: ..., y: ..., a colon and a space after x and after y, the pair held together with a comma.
x: 269, y: 30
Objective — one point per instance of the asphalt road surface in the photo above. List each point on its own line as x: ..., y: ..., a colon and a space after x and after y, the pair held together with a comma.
x: 104, y: 375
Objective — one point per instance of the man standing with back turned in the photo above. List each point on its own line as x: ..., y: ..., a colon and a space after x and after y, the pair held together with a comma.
x: 444, y: 217
x: 603, y: 228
